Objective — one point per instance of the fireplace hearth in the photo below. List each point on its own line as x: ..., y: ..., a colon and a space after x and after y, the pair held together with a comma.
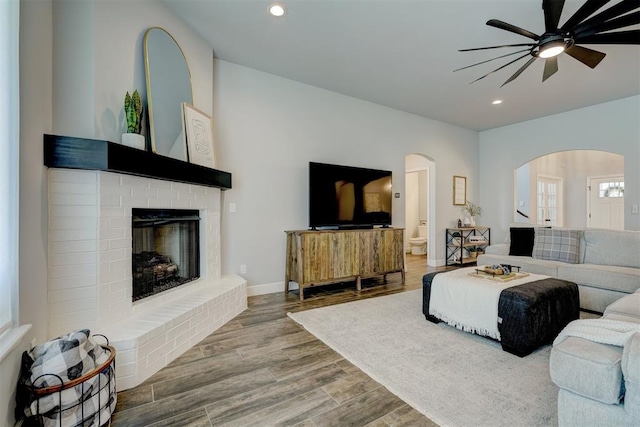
x: 165, y: 250
x: 92, y: 196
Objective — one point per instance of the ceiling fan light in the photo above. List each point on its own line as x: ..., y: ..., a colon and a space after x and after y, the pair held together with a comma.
x: 552, y: 49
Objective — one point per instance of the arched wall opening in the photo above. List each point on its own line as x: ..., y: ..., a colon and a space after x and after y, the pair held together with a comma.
x: 420, y: 206
x: 556, y: 189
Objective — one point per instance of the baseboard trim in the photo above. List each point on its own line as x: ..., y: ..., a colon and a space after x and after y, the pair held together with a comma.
x: 435, y: 262
x: 268, y: 288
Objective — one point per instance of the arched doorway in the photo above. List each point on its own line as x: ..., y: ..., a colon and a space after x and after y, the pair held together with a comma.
x: 576, y: 188
x: 420, y: 209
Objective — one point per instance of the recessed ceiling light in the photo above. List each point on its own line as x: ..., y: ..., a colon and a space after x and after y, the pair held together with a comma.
x: 276, y: 10
x: 497, y: 101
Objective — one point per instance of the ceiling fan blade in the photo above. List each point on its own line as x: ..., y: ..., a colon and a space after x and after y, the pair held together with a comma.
x: 496, y: 47
x: 588, y: 57
x: 492, y: 59
x: 613, y: 12
x: 583, y: 13
x: 500, y: 68
x: 612, y: 24
x: 517, y: 73
x: 620, y: 37
x: 552, y: 11
x: 550, y: 67
x: 512, y: 28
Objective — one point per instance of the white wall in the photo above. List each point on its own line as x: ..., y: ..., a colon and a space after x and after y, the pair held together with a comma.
x: 268, y: 128
x: 580, y: 165
x: 612, y: 127
x: 412, y: 206
x: 417, y: 203
x: 96, y: 58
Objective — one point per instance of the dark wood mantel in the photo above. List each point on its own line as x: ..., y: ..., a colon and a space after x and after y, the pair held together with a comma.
x: 92, y: 154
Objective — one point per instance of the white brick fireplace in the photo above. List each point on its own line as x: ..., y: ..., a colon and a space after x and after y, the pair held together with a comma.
x: 90, y: 278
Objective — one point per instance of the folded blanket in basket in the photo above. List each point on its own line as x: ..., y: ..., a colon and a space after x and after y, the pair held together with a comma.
x: 69, y: 357
x: 89, y: 404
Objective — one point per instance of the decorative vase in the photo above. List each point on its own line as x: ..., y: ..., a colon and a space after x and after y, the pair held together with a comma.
x: 134, y: 140
x: 472, y: 221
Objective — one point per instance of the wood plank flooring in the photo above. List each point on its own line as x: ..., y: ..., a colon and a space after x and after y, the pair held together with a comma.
x: 263, y: 369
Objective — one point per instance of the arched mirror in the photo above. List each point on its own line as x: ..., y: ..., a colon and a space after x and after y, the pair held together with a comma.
x: 168, y: 86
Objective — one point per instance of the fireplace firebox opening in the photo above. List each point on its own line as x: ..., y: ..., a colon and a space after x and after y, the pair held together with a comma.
x: 165, y: 249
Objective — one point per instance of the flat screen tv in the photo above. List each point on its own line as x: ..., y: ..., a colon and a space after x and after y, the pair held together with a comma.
x: 348, y: 197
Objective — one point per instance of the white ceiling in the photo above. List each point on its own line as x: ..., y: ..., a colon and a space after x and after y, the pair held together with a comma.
x: 402, y: 53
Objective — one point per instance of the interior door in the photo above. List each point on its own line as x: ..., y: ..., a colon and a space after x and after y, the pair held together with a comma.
x: 606, y: 203
x: 549, y: 198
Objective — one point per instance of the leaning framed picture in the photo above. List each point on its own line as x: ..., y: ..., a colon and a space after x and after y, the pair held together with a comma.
x: 459, y: 190
x: 200, y: 147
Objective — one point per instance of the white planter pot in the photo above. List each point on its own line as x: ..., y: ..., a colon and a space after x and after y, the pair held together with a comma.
x: 134, y: 140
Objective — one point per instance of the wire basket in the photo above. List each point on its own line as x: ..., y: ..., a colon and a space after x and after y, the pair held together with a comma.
x: 87, y: 401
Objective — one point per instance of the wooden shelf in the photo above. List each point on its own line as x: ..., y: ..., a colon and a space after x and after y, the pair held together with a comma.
x: 468, y: 244
x: 457, y: 242
x: 92, y: 154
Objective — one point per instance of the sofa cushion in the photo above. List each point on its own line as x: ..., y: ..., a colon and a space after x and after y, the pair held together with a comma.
x: 622, y: 279
x: 587, y: 368
x: 556, y: 245
x: 521, y: 239
x: 528, y: 264
x: 612, y: 247
x: 626, y: 308
x: 497, y: 249
x: 631, y: 372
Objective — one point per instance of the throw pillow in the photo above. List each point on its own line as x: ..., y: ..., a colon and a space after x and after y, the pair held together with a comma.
x: 557, y: 245
x: 522, y: 239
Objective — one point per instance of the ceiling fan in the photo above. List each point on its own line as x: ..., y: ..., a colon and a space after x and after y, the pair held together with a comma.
x: 582, y: 28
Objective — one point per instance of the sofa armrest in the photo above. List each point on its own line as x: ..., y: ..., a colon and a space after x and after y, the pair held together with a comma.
x: 499, y: 249
x: 631, y: 374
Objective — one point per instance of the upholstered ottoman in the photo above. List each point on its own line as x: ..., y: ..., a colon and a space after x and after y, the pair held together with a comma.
x: 529, y: 315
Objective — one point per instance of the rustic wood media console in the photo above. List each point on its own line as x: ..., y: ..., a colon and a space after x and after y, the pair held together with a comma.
x: 321, y: 257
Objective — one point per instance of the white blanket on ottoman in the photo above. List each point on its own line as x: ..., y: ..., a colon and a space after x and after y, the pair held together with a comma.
x: 470, y: 303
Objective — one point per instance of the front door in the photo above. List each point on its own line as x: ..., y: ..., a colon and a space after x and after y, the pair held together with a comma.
x: 606, y: 203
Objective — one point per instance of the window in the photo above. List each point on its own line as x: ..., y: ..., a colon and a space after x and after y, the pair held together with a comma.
x: 9, y: 139
x: 549, y: 201
x: 611, y: 189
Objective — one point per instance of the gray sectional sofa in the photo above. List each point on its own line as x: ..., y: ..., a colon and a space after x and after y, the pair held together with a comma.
x: 605, y: 265
x: 598, y: 380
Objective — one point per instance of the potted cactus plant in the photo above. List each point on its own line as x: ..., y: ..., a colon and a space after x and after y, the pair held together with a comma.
x: 133, y: 115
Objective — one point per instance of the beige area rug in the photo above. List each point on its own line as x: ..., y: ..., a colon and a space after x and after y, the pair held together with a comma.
x: 453, y: 377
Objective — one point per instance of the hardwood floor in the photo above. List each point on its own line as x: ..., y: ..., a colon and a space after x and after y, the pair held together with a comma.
x: 264, y: 369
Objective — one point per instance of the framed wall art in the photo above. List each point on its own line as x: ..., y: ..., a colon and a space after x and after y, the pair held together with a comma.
x: 199, y: 133
x: 459, y: 190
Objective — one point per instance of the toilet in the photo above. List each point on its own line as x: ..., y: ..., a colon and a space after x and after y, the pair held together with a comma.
x: 419, y: 244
